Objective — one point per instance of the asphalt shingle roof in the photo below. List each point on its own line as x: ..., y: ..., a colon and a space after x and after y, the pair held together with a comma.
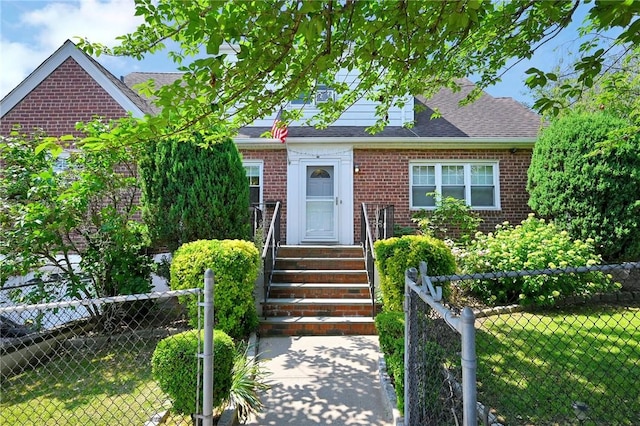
x: 486, y: 117
x: 160, y: 79
x: 144, y: 106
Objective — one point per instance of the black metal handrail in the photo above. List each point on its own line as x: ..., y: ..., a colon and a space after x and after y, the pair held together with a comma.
x: 383, y: 226
x: 384, y: 222
x: 366, y: 239
x: 258, y: 212
x: 270, y: 249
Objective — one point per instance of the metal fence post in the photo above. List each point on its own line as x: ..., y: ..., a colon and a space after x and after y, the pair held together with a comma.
x: 207, y: 356
x: 469, y: 365
x: 411, y: 274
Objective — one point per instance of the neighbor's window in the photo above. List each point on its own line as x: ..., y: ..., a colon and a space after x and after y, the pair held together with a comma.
x: 475, y: 183
x: 61, y: 162
x: 254, y: 174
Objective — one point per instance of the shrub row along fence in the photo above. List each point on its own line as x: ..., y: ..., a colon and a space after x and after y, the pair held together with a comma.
x: 575, y: 363
x: 85, y: 361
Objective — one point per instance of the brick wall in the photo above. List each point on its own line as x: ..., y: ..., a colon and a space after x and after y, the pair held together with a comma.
x: 274, y: 172
x: 66, y: 96
x: 384, y: 179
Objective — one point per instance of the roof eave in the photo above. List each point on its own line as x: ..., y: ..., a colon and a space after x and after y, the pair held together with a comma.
x: 394, y: 142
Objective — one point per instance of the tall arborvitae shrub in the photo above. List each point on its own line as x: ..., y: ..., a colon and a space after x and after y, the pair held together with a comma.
x: 585, y: 175
x: 194, y: 190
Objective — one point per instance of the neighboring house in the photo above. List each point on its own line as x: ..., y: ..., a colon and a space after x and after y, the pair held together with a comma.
x: 479, y: 152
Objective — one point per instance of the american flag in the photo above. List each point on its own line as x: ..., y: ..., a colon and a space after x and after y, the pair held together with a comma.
x: 279, y: 128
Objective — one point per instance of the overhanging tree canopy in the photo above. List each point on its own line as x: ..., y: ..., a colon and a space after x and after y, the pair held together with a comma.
x: 399, y: 48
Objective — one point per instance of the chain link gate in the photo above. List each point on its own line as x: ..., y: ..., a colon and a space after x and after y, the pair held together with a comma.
x: 577, y: 363
x: 440, y: 360
x: 85, y: 361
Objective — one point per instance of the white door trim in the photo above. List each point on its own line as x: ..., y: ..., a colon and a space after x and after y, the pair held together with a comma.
x: 303, y: 155
x: 330, y: 233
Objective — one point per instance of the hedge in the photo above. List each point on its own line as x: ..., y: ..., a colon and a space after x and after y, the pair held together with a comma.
x: 395, y: 255
x: 235, y: 264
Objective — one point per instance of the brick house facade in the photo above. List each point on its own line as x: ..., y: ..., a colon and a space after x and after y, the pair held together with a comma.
x: 480, y: 152
x: 71, y: 93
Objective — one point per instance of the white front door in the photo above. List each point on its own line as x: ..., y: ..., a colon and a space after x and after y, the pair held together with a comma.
x: 319, y: 208
x: 321, y: 203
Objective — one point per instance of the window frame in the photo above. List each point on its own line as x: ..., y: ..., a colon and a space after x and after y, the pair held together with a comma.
x: 310, y: 99
x: 438, y: 164
x: 260, y: 165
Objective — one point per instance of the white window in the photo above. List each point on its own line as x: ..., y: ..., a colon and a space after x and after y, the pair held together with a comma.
x: 322, y: 93
x: 476, y: 183
x: 254, y: 174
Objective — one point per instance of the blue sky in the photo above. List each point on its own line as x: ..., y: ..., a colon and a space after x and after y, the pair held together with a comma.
x: 31, y: 30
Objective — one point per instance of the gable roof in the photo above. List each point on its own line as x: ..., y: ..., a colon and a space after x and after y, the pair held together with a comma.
x: 485, y: 117
x: 120, y: 92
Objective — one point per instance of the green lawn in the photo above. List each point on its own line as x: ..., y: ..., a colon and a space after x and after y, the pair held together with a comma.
x: 531, y: 367
x: 107, y: 386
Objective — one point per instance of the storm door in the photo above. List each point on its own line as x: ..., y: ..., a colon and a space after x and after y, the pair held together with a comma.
x: 321, y: 203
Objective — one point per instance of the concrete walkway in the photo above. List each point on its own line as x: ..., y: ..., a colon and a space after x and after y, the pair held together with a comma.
x: 322, y: 380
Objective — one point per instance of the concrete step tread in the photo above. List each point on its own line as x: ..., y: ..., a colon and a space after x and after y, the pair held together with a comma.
x: 317, y: 320
x: 320, y: 285
x: 320, y: 271
x: 321, y: 246
x: 348, y: 259
x: 317, y: 301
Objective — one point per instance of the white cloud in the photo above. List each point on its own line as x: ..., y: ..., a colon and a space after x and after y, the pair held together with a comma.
x: 42, y: 28
x: 98, y: 21
x: 18, y: 61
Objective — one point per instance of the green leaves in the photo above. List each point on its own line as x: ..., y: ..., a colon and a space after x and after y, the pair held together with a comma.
x: 47, y: 214
x: 235, y: 264
x: 395, y: 255
x: 175, y: 366
x: 533, y: 244
x: 452, y: 219
x: 282, y: 48
x: 181, y: 176
x: 585, y: 175
x: 51, y: 145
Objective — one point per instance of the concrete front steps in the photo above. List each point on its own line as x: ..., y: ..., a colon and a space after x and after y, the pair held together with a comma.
x: 318, y: 290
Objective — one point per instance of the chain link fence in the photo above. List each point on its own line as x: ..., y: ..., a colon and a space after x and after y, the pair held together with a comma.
x: 85, y: 362
x: 575, y: 363
x: 433, y: 361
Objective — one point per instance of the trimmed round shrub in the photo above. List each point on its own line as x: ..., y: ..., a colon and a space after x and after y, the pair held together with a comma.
x: 395, y: 255
x: 585, y: 175
x: 235, y: 264
x: 534, y: 244
x: 174, y: 365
